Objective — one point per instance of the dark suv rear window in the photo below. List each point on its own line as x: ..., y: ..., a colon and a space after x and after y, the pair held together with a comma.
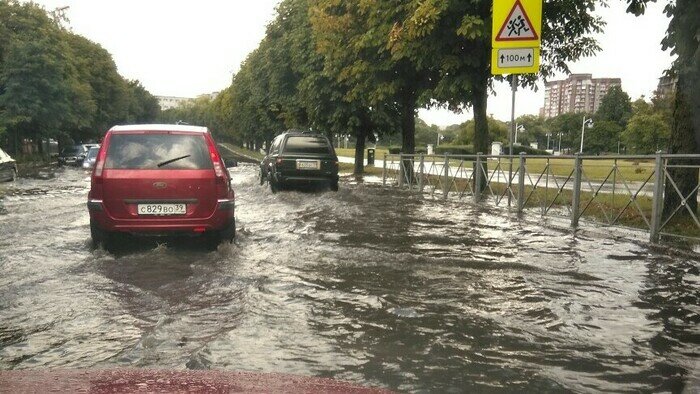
x: 307, y: 144
x: 147, y: 151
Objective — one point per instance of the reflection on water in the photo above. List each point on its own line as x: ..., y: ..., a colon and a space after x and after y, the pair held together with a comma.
x: 364, y: 285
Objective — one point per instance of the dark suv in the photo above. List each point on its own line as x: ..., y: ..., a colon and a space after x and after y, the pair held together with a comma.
x: 72, y: 155
x: 160, y: 180
x: 298, y: 158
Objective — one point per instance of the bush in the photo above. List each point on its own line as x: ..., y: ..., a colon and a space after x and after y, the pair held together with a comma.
x: 517, y: 149
x: 395, y: 150
x: 454, y: 150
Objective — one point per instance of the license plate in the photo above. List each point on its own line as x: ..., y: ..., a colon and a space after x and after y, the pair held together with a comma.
x: 162, y: 209
x: 308, y: 164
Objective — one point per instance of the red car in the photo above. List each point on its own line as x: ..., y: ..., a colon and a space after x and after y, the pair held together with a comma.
x: 160, y: 180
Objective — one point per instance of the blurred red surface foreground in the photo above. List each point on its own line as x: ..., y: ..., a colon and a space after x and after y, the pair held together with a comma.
x: 167, y: 381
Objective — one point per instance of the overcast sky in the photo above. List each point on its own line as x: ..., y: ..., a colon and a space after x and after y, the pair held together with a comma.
x: 186, y: 48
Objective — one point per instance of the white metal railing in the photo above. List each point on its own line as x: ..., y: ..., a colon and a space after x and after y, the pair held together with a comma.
x: 620, y: 190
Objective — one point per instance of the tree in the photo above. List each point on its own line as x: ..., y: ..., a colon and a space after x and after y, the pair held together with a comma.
x: 646, y: 133
x: 143, y: 106
x: 498, y: 131
x: 357, y: 41
x: 56, y: 84
x: 567, y: 129
x: 615, y: 106
x: 604, y: 136
x: 536, y: 130
x: 36, y: 77
x: 681, y: 38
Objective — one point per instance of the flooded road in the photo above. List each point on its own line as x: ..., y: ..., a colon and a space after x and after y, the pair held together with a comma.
x: 365, y: 285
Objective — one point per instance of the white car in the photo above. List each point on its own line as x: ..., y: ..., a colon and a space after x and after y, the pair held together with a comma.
x: 91, y: 157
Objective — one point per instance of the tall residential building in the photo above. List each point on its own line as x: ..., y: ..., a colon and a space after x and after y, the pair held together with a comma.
x: 666, y: 87
x: 578, y: 93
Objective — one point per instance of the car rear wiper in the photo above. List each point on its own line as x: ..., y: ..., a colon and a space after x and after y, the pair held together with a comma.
x: 165, y: 163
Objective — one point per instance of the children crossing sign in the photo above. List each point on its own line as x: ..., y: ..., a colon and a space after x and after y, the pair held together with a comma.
x: 516, y: 36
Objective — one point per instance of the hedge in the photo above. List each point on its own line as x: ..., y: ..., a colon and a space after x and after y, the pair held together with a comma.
x: 395, y: 150
x: 454, y: 150
x: 527, y: 150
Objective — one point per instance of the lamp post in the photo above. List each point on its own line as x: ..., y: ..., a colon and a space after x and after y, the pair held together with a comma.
x: 518, y: 128
x: 559, y: 142
x: 548, y: 135
x: 586, y: 122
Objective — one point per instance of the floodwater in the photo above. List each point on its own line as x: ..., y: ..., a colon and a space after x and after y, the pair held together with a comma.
x: 366, y: 285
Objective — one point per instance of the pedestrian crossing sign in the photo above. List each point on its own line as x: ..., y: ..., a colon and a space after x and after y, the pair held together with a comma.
x: 516, y: 23
x: 516, y: 36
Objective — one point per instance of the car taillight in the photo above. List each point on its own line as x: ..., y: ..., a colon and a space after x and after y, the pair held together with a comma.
x: 223, y: 187
x: 218, y: 168
x: 100, y: 162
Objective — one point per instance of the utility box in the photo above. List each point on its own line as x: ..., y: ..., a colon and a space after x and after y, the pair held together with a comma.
x: 430, y: 149
x: 370, y: 157
x: 496, y: 148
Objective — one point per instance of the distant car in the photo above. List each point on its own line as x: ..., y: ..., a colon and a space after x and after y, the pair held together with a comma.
x: 72, y: 155
x: 90, y: 157
x: 297, y: 158
x: 8, y: 167
x: 160, y: 180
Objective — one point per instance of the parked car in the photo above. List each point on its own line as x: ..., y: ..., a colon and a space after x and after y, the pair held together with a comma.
x: 298, y: 157
x: 90, y: 157
x: 72, y: 155
x: 160, y: 180
x: 8, y: 167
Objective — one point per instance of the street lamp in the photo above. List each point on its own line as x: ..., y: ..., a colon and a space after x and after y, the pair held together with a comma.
x: 440, y: 137
x: 518, y: 128
x: 586, y: 122
x: 560, y: 133
x: 548, y: 135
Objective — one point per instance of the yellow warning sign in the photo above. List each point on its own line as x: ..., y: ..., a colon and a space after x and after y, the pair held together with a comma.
x: 516, y: 23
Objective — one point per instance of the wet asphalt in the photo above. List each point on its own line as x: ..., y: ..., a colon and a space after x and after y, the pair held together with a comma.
x: 367, y: 285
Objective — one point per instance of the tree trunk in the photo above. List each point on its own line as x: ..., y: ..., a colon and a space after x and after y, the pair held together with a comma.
x: 408, y: 133
x: 683, y: 141
x: 481, y: 124
x: 408, y: 123
x: 361, y: 137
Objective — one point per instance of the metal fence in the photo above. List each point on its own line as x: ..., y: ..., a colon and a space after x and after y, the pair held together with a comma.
x: 626, y: 191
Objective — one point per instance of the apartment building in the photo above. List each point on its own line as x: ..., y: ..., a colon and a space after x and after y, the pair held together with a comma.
x: 577, y: 93
x: 167, y: 102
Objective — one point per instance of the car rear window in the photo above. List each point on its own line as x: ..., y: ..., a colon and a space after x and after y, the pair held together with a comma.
x: 307, y: 144
x: 73, y: 150
x: 158, y: 151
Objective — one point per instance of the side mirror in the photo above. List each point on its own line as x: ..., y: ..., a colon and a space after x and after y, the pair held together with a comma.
x: 231, y: 162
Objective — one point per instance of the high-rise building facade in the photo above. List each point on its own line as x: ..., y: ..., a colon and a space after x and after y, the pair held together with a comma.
x: 578, y: 93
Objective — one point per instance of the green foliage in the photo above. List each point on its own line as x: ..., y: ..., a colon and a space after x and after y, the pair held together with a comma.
x: 454, y: 149
x: 518, y: 149
x: 568, y: 128
x: 615, y: 106
x: 603, y: 137
x: 646, y: 133
x: 536, y: 130
x: 56, y: 84
x: 498, y: 131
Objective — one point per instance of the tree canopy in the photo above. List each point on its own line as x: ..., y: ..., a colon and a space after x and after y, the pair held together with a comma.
x: 57, y: 84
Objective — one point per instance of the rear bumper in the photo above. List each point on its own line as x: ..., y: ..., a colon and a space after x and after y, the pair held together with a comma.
x: 221, y: 218
x: 280, y: 177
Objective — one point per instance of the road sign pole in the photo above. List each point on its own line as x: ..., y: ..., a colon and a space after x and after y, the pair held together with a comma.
x: 511, y: 134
